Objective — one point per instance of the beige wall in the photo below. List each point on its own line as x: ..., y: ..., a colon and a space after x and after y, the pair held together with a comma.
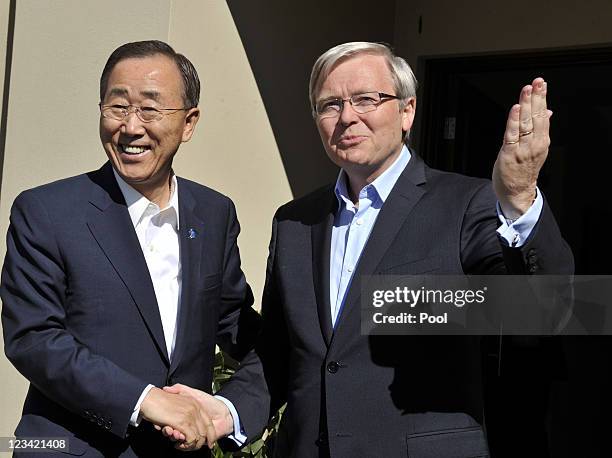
x: 4, y: 19
x: 450, y: 27
x: 60, y: 47
x: 234, y: 150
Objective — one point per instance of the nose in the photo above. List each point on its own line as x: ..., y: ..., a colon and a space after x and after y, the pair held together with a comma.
x: 348, y: 115
x: 131, y: 124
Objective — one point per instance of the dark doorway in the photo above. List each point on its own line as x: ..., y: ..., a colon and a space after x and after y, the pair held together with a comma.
x: 475, y: 93
x: 549, y: 397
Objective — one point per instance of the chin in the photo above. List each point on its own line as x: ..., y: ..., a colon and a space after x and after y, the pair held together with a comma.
x: 349, y: 156
x: 357, y: 159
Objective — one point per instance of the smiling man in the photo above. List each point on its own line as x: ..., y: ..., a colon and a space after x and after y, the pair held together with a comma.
x: 122, y: 280
x: 353, y: 395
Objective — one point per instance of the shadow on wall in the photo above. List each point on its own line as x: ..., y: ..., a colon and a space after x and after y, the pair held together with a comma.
x: 282, y: 40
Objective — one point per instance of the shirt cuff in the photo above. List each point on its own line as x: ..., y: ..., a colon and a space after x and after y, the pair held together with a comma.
x: 518, y: 231
x: 136, y: 418
x: 238, y: 435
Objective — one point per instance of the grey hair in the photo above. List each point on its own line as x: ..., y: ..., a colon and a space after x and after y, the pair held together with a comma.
x: 403, y: 78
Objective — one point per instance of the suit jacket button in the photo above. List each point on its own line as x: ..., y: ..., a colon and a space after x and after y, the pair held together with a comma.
x: 333, y: 367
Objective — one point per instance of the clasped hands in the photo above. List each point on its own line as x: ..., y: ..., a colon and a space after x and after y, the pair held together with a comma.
x: 187, y: 416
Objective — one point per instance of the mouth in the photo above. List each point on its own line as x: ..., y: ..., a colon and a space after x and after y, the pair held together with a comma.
x: 134, y: 150
x: 346, y: 141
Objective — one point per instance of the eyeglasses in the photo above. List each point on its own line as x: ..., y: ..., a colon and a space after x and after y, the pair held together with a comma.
x: 361, y: 103
x: 145, y: 114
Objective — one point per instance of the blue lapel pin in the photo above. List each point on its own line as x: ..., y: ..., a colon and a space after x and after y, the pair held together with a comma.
x: 192, y: 233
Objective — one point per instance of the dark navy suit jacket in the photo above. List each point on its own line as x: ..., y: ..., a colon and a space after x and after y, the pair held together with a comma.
x: 80, y: 317
x: 353, y: 395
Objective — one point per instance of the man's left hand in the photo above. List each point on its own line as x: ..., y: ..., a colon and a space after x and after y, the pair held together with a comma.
x: 523, y: 152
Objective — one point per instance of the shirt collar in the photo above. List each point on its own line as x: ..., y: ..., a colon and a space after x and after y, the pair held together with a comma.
x: 382, y: 185
x: 137, y: 203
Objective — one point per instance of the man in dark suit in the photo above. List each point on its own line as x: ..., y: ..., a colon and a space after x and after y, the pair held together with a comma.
x: 122, y: 280
x: 354, y: 395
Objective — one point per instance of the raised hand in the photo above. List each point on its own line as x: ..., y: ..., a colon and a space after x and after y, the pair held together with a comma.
x: 523, y: 152
x: 182, y: 414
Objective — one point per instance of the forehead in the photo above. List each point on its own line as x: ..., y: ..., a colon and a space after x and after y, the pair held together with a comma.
x: 361, y: 73
x: 146, y: 75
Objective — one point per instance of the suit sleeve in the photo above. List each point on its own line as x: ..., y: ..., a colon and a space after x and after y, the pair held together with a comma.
x: 483, y: 252
x: 36, y: 336
x: 239, y: 323
x: 258, y: 389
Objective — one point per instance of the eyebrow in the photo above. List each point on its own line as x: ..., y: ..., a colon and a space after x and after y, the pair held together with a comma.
x: 118, y: 91
x: 153, y: 95
x: 326, y: 99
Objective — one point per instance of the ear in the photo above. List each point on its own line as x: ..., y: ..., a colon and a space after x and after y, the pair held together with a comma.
x: 408, y: 114
x: 191, y: 119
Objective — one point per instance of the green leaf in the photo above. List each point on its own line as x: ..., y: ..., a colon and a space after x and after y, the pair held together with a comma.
x: 259, y: 448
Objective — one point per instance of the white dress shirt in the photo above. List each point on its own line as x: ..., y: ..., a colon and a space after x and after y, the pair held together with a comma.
x: 157, y: 232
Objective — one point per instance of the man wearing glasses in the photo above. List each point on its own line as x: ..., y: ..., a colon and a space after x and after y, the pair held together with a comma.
x: 121, y: 281
x: 353, y: 395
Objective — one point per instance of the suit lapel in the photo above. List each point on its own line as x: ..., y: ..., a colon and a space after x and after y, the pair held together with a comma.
x: 192, y: 238
x: 407, y: 191
x: 109, y: 222
x: 321, y: 245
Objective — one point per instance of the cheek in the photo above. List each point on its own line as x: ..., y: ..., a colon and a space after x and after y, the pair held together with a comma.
x: 388, y: 132
x: 102, y: 129
x: 166, y: 136
x: 107, y: 130
x: 325, y: 132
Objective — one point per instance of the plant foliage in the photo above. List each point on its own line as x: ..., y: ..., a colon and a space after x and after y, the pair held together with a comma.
x: 259, y: 448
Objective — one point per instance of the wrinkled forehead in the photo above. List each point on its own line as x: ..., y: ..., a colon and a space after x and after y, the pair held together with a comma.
x: 154, y: 77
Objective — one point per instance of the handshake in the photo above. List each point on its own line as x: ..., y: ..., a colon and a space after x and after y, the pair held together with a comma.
x: 189, y: 417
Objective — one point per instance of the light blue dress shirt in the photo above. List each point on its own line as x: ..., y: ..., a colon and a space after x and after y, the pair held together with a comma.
x: 353, y: 225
